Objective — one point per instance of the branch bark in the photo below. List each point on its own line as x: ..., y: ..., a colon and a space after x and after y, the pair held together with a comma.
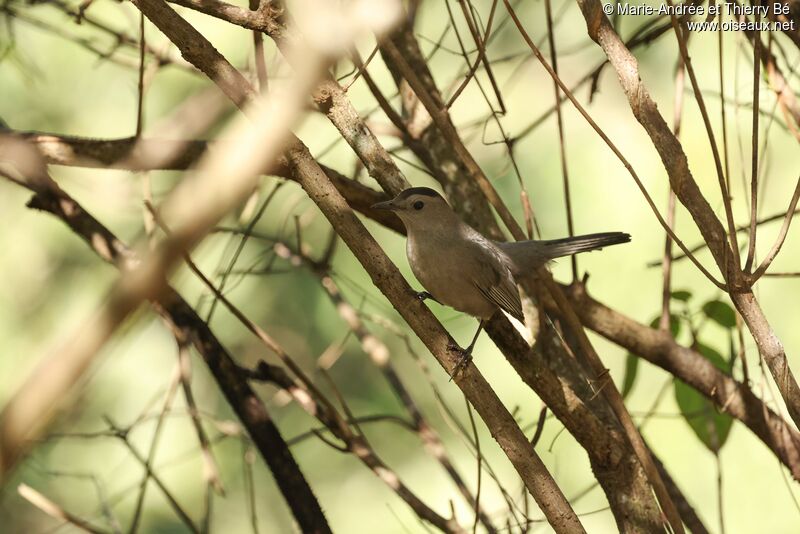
x: 388, y: 279
x: 117, y: 154
x: 658, y: 347
x: 688, y: 192
x: 663, y: 351
x: 183, y: 320
x: 425, y: 89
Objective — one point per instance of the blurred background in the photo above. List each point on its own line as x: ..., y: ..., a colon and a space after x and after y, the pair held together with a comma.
x: 60, y: 77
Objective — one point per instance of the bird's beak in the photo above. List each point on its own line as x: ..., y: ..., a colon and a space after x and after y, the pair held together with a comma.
x: 388, y: 205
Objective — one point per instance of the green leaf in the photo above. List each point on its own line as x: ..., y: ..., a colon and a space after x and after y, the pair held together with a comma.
x: 710, y: 426
x: 632, y: 360
x: 720, y: 312
x: 681, y: 295
x: 674, y: 324
x: 631, y: 368
x: 731, y: 351
x: 714, y: 357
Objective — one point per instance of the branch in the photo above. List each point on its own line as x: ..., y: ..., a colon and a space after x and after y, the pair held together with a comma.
x: 688, y: 192
x: 659, y: 348
x: 183, y: 320
x: 52, y: 509
x: 664, y: 140
x: 311, y: 399
x: 120, y: 153
x: 388, y: 279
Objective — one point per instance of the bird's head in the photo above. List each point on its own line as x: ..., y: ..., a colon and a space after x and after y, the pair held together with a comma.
x: 420, y: 208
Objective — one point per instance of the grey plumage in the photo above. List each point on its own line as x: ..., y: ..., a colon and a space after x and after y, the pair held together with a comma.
x: 461, y: 268
x: 527, y: 256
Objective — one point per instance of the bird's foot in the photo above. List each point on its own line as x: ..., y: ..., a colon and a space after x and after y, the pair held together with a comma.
x: 424, y: 295
x: 463, y: 361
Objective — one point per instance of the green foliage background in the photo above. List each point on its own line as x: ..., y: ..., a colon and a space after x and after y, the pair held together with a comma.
x: 51, y: 283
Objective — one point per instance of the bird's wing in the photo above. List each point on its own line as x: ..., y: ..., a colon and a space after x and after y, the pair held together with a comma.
x: 524, y: 256
x: 494, y: 280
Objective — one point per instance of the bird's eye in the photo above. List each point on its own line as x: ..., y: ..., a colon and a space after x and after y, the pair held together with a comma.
x: 418, y: 205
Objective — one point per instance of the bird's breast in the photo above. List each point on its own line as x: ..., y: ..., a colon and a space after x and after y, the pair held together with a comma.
x: 440, y: 267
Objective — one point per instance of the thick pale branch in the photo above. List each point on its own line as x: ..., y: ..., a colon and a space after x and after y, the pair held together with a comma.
x: 429, y: 145
x: 688, y: 192
x: 116, y: 154
x: 197, y: 50
x: 684, y: 363
x: 264, y: 19
x: 185, y: 322
x: 664, y: 140
x: 388, y: 279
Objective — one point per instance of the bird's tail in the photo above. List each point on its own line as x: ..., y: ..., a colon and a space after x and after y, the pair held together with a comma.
x: 567, y: 246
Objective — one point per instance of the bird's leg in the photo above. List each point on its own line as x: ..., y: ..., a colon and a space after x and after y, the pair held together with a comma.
x: 466, y: 354
x: 424, y: 295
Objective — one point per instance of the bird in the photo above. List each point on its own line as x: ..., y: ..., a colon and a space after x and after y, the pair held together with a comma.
x: 460, y: 268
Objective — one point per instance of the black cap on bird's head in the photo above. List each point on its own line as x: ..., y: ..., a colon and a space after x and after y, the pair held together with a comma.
x: 411, y: 198
x: 422, y: 191
x: 420, y: 208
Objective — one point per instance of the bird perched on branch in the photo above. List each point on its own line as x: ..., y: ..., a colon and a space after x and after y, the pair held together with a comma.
x: 461, y: 268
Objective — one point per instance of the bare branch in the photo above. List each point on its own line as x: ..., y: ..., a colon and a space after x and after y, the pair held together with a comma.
x: 186, y: 324
x: 388, y: 279
x: 659, y: 348
x: 52, y: 509
x: 787, y: 221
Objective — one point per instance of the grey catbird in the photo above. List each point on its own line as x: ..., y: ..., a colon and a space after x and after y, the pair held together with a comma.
x: 462, y: 269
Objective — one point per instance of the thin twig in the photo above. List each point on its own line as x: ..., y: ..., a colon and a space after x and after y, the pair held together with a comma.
x: 666, y: 292
x: 698, y: 95
x: 787, y: 221
x: 751, y: 246
x: 210, y: 468
x: 742, y: 228
x: 52, y: 509
x: 478, y: 467
x: 551, y: 39
x: 481, y: 45
x: 173, y: 502
x: 140, y: 93
x: 166, y: 406
x: 611, y: 145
